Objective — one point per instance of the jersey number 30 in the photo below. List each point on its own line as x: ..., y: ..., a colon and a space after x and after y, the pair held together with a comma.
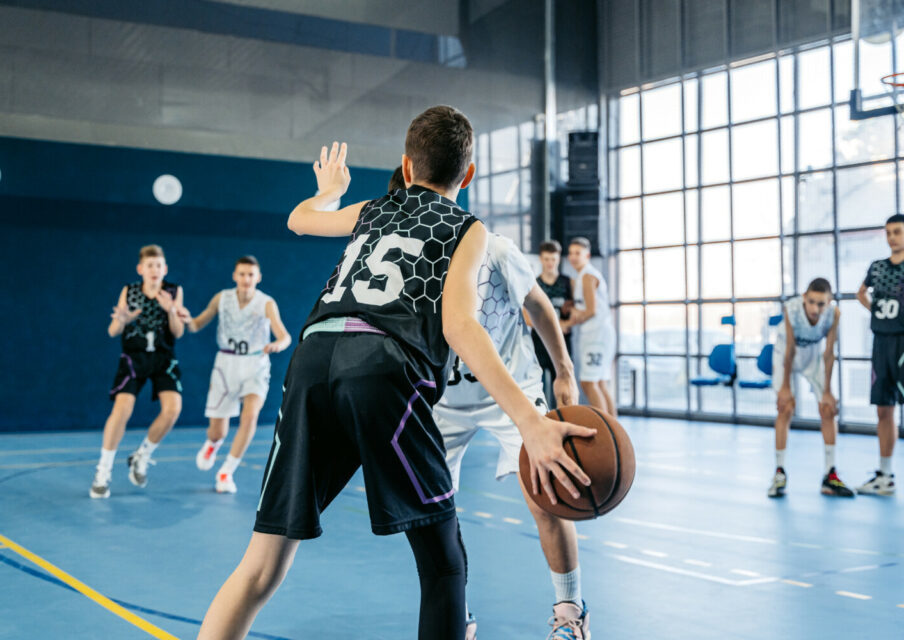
x: 361, y: 289
x: 887, y: 309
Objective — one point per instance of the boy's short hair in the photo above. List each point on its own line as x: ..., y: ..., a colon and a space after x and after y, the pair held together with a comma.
x: 550, y: 246
x: 819, y: 285
x: 249, y: 259
x: 397, y: 181
x: 439, y: 144
x: 150, y: 251
x: 581, y: 241
x: 895, y: 218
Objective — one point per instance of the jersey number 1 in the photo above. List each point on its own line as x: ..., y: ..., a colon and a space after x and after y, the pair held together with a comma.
x: 361, y: 289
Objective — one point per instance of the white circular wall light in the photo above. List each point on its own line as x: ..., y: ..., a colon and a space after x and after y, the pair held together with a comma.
x: 167, y: 189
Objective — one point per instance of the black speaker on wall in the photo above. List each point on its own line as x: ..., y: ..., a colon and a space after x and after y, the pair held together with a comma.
x: 583, y: 158
x: 578, y: 212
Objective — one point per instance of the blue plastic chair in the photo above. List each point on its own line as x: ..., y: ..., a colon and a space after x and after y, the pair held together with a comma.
x: 763, y: 362
x: 722, y: 360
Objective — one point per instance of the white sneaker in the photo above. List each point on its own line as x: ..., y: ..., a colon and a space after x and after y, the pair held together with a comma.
x: 138, y: 468
x: 779, y: 482
x: 569, y: 622
x: 225, y: 483
x: 879, y: 485
x: 207, y: 455
x: 471, y: 628
x: 100, y: 487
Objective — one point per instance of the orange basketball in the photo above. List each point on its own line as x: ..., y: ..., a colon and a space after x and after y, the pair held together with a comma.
x: 607, y: 457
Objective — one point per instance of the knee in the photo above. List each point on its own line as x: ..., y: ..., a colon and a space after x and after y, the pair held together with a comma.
x: 263, y: 580
x: 886, y: 414
x: 826, y: 413
x: 170, y: 412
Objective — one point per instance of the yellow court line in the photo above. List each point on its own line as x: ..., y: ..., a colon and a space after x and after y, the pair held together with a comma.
x: 87, y: 591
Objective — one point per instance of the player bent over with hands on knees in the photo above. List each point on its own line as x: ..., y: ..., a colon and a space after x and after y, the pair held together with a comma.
x: 371, y: 363
x: 241, y: 371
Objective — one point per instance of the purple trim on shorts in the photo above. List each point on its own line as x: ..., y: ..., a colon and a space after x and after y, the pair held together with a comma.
x: 131, y: 375
x: 356, y: 325
x: 398, y: 449
x: 225, y: 393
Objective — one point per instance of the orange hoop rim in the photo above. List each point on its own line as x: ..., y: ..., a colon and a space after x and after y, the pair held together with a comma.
x: 894, y: 80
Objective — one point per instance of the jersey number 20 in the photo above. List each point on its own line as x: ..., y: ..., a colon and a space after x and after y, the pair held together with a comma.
x: 361, y: 289
x: 887, y: 309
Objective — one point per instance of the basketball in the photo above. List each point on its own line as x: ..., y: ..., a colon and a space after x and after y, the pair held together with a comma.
x: 607, y: 457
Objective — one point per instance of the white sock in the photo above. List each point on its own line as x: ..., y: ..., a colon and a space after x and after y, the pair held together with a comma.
x: 780, y: 458
x: 230, y: 465
x: 830, y: 457
x: 106, y: 458
x: 147, y: 447
x: 568, y: 586
x: 885, y: 465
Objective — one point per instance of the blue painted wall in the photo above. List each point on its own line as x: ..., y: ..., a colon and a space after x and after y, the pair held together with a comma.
x: 73, y: 218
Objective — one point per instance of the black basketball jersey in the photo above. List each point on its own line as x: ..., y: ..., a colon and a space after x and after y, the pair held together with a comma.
x: 393, y: 270
x: 559, y: 292
x: 150, y: 331
x: 887, y: 281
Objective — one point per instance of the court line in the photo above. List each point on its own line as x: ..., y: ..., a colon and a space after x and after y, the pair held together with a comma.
x: 692, y: 574
x: 855, y: 596
x: 93, y: 461
x: 87, y: 591
x: 745, y: 572
x: 698, y: 563
x: 796, y: 583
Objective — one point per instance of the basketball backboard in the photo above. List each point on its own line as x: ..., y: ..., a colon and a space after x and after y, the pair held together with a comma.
x: 877, y: 28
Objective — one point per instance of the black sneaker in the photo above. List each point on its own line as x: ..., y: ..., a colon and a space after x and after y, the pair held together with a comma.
x: 833, y: 486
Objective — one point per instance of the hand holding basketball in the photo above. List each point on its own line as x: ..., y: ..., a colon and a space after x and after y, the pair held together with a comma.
x: 331, y: 171
x: 543, y: 444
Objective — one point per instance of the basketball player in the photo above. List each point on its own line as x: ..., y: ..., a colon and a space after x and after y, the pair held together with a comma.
x: 882, y: 292
x: 146, y: 316
x: 371, y: 363
x: 241, y: 371
x: 596, y: 338
x: 506, y: 286
x: 557, y: 288
x: 810, y: 319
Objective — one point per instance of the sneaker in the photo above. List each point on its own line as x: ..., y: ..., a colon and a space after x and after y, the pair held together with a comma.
x: 100, y: 487
x: 569, y: 622
x: 779, y: 482
x: 207, y: 455
x: 225, y: 483
x: 471, y: 629
x: 833, y: 486
x: 138, y: 468
x: 879, y: 485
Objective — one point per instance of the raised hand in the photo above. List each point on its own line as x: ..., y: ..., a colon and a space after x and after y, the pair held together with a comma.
x: 331, y: 171
x: 165, y: 300
x: 543, y: 442
x: 123, y: 315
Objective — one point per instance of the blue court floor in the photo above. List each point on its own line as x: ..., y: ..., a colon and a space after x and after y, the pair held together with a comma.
x: 697, y: 550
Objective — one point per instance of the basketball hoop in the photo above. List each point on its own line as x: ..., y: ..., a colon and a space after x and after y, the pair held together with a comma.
x: 893, y: 80
x: 894, y: 84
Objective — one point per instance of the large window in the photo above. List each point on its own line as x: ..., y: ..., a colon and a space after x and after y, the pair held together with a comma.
x: 731, y: 189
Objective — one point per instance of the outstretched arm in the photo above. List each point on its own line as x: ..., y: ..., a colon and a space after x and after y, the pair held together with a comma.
x: 203, y: 319
x: 542, y: 437
x: 333, y: 179
x: 283, y: 339
x: 546, y: 321
x: 121, y: 315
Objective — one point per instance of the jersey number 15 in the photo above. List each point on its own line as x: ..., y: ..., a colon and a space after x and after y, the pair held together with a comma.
x: 378, y: 266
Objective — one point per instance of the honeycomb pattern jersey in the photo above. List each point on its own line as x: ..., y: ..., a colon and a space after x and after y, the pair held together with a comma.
x: 150, y: 330
x: 393, y: 269
x: 243, y: 330
x: 887, y: 282
x: 503, y: 283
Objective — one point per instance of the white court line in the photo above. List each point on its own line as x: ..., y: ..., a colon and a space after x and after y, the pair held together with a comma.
x: 806, y: 545
x: 698, y: 563
x: 515, y: 521
x: 862, y: 551
x: 692, y: 574
x: 901, y: 606
x: 855, y: 596
x: 360, y: 489
x: 699, y: 532
x: 744, y: 572
x: 581, y: 536
x: 655, y: 554
x: 483, y: 514
x: 868, y: 567
x: 798, y: 584
x: 459, y: 510
x: 616, y: 545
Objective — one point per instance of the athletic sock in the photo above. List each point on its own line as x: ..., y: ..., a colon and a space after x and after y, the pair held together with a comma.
x: 568, y: 586
x: 780, y: 458
x: 830, y: 457
x: 230, y: 465
x: 885, y: 465
x: 106, y: 458
x: 146, y: 448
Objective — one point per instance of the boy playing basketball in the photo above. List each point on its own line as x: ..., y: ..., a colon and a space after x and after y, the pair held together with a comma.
x: 809, y: 319
x: 596, y: 339
x: 241, y: 371
x: 882, y: 292
x: 371, y: 362
x: 147, y: 318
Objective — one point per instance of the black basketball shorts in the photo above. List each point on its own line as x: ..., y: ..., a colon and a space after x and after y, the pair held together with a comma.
x: 355, y: 400
x: 136, y: 368
x: 888, y: 369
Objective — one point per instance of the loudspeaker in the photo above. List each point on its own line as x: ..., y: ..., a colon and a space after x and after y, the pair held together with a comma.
x: 578, y: 212
x: 583, y: 158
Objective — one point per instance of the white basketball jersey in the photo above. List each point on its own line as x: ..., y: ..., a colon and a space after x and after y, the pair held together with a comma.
x: 503, y: 283
x: 243, y: 331
x: 603, y: 316
x: 805, y: 333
